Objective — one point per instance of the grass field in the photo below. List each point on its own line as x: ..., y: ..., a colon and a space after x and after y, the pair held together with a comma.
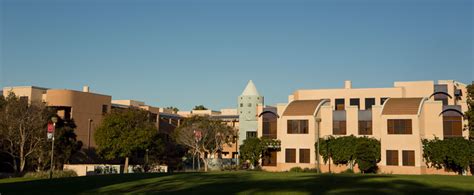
x: 243, y: 182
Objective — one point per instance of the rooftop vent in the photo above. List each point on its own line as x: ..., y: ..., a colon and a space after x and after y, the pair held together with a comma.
x: 85, y: 89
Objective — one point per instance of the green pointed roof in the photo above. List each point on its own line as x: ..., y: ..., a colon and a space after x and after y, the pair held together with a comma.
x: 250, y: 90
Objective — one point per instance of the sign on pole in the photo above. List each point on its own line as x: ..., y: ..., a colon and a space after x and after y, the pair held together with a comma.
x: 50, y: 130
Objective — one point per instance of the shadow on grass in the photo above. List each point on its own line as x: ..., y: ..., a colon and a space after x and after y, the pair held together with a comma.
x: 232, y: 183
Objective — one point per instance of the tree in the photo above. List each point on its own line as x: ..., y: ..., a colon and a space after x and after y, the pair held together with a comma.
x: 22, y: 130
x: 453, y: 154
x: 164, y: 149
x: 200, y: 107
x: 470, y: 112
x: 252, y: 150
x: 367, y: 154
x: 124, y: 132
x: 351, y: 150
x: 203, y: 136
x: 173, y: 108
x: 65, y: 145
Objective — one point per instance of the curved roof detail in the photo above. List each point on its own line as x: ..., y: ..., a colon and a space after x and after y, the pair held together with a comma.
x: 441, y: 92
x: 270, y: 112
x: 452, y: 110
x: 250, y: 90
x: 402, y: 106
x: 302, y: 108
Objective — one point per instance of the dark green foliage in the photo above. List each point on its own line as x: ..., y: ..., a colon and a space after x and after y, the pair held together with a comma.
x: 296, y: 169
x: 165, y: 150
x: 453, y: 154
x: 45, y: 174
x: 123, y: 132
x: 200, y: 107
x: 367, y: 154
x: 348, y: 150
x: 470, y: 113
x: 173, y: 108
x: 252, y: 150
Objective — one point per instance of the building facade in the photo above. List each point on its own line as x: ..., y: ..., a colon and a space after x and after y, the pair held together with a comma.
x: 247, y: 111
x: 399, y: 116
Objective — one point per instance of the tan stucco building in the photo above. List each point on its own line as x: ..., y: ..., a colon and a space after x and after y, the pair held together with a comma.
x: 399, y: 116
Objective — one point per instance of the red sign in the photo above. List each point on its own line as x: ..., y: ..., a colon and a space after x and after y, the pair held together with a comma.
x: 50, y: 127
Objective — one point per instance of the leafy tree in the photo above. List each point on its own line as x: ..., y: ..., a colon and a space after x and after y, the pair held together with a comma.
x: 252, y: 150
x: 22, y: 130
x: 165, y: 150
x: 173, y: 108
x: 367, y: 154
x: 203, y: 137
x: 124, y: 132
x: 453, y: 154
x: 348, y: 150
x: 65, y: 145
x: 470, y: 112
x: 200, y: 107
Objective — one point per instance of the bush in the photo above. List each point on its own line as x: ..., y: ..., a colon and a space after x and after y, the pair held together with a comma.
x: 348, y: 171
x: 45, y: 174
x: 296, y: 169
x: 312, y: 170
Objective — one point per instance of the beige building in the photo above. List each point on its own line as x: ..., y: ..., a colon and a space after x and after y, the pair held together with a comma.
x: 399, y: 116
x: 84, y: 107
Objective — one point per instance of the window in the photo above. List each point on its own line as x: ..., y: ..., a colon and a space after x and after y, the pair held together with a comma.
x: 304, y: 155
x: 339, y: 104
x: 452, y: 126
x: 369, y: 102
x: 105, y: 109
x: 365, y: 127
x: 250, y: 105
x: 399, y: 126
x: 408, y: 157
x: 269, y: 126
x: 355, y: 102
x: 251, y: 134
x: 392, y: 157
x: 269, y: 158
x: 382, y: 100
x: 297, y: 127
x: 24, y: 99
x: 339, y: 128
x: 290, y: 155
x: 241, y: 105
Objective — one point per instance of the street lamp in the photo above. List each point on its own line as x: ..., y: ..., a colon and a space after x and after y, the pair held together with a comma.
x: 318, y: 120
x: 54, y: 119
x: 89, y: 135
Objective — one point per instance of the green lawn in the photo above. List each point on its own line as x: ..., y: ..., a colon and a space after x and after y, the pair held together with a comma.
x: 243, y: 182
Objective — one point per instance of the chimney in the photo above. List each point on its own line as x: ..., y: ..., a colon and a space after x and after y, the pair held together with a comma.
x: 347, y: 84
x: 85, y: 89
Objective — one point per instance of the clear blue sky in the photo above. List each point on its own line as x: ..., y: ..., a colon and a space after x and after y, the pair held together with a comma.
x: 184, y: 53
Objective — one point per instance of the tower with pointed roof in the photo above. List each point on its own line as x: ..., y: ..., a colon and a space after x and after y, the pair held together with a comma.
x: 247, y: 110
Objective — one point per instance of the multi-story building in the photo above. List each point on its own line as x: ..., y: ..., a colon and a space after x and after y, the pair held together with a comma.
x: 400, y: 117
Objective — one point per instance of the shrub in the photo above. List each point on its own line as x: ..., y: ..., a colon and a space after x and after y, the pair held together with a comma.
x: 296, y: 169
x: 348, y: 171
x: 45, y: 174
x: 312, y: 170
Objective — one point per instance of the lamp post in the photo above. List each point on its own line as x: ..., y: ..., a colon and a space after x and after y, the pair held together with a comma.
x: 89, y: 135
x: 318, y: 120
x: 54, y: 119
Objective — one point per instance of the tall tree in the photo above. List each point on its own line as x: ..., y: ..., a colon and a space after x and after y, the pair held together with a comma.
x: 22, y: 130
x: 124, y: 132
x: 470, y: 112
x: 203, y: 136
x: 200, y: 107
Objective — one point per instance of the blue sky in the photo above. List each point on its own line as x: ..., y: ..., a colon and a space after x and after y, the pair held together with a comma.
x: 184, y: 53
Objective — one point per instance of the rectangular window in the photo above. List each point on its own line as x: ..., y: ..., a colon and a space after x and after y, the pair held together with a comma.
x: 269, y: 158
x: 340, y: 104
x: 290, y: 155
x: 369, y: 102
x: 392, y: 157
x: 339, y: 128
x: 382, y: 100
x: 105, y: 109
x: 297, y: 127
x: 24, y: 99
x: 365, y: 127
x: 399, y: 126
x: 452, y: 126
x: 251, y: 134
x: 408, y: 157
x: 304, y: 155
x: 355, y: 102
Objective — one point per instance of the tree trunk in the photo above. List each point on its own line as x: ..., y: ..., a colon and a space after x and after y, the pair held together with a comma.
x: 205, y: 164
x: 125, y: 168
